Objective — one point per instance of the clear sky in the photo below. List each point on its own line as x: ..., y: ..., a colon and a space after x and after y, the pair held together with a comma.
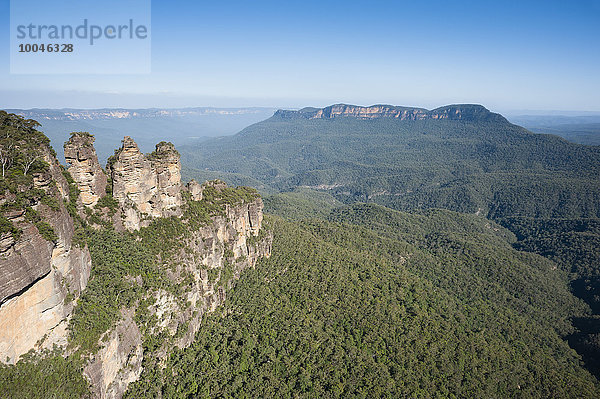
x: 506, y: 55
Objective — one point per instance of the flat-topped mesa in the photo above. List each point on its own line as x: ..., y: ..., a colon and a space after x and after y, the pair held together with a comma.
x: 146, y: 185
x: 466, y: 112
x: 85, y: 168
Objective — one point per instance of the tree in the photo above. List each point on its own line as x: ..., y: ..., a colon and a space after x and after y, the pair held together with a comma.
x: 7, y: 151
x: 29, y: 158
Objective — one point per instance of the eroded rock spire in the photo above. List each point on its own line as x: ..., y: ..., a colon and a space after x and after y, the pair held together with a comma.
x: 146, y: 185
x: 85, y: 168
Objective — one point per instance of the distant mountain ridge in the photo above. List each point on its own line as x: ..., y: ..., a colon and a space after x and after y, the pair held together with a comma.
x: 461, y: 157
x: 145, y: 126
x: 468, y: 112
x: 73, y: 114
x: 581, y: 129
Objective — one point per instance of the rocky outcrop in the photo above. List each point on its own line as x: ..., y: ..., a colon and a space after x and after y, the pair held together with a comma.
x: 84, y: 168
x: 42, y: 274
x: 167, y: 166
x: 466, y: 112
x: 195, y: 189
x: 246, y: 218
x: 213, y: 257
x: 232, y: 243
x: 39, y: 277
x: 24, y: 260
x: 146, y: 186
x: 119, y: 362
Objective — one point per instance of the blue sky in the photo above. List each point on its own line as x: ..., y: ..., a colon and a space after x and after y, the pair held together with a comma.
x: 507, y: 55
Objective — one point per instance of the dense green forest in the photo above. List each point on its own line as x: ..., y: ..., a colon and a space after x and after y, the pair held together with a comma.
x: 378, y: 303
x: 365, y: 302
x: 464, y: 289
x: 463, y: 165
x: 574, y: 244
x: 543, y: 188
x: 43, y: 375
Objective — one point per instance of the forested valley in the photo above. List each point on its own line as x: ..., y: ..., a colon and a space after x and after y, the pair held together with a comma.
x: 542, y: 188
x: 410, y: 258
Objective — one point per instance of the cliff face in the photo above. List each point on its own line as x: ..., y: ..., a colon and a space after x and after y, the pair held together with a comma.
x: 211, y: 258
x: 195, y: 189
x: 218, y: 233
x: 167, y: 166
x: 119, y: 362
x: 146, y: 185
x: 467, y: 112
x: 84, y: 168
x: 38, y: 273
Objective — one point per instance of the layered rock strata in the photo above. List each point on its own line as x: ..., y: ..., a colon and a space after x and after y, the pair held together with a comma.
x: 146, y: 186
x: 39, y: 278
x: 466, y: 112
x: 230, y: 243
x: 85, y: 169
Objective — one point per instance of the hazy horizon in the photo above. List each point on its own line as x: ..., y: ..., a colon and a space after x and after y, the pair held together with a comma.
x: 266, y: 105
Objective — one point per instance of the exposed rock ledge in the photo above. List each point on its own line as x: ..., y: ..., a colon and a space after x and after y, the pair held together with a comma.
x: 230, y: 239
x: 146, y: 186
x: 37, y: 275
x: 40, y: 280
x: 465, y: 112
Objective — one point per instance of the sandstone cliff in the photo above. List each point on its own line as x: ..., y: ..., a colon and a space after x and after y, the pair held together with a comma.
x: 146, y: 186
x: 195, y: 189
x: 42, y: 272
x: 210, y: 258
x: 467, y: 112
x: 84, y: 168
x: 204, y: 236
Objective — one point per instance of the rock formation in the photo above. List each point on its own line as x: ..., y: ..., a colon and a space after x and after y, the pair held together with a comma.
x: 119, y: 362
x: 452, y: 112
x: 84, y: 168
x: 195, y: 189
x: 37, y: 275
x: 167, y: 166
x: 231, y: 241
x: 42, y: 276
x: 146, y: 186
